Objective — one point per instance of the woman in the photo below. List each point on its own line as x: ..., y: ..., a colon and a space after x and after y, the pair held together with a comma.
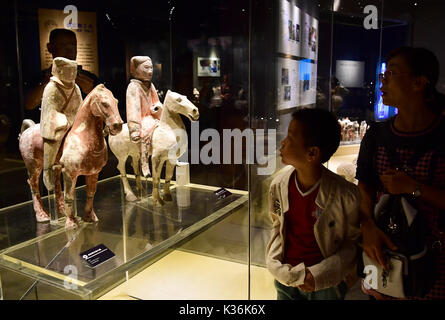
x: 418, y: 129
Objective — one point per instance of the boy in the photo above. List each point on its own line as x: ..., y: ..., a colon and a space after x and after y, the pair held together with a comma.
x: 314, y: 214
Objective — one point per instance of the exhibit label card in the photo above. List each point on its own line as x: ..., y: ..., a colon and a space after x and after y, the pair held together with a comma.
x: 97, y: 255
x: 222, y: 193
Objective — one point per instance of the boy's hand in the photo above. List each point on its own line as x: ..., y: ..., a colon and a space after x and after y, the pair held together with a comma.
x: 309, y: 282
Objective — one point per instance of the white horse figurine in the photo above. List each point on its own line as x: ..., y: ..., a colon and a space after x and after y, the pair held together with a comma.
x: 169, y: 142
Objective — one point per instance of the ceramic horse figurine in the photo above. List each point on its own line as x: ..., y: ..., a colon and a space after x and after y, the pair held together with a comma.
x: 83, y: 152
x: 169, y: 142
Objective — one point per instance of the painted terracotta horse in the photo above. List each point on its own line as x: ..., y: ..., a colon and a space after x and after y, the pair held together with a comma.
x: 168, y: 143
x: 83, y: 152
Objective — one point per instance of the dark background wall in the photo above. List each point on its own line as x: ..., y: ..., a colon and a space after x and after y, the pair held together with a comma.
x: 128, y: 28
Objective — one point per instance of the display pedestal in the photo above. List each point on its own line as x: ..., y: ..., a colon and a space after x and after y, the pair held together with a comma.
x: 139, y: 234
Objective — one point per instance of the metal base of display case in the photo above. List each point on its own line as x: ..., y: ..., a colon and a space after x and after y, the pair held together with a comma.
x: 42, y: 260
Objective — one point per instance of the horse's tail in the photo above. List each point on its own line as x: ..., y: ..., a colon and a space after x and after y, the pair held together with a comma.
x: 27, y: 123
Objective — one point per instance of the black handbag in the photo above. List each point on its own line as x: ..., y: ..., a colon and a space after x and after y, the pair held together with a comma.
x: 414, y: 267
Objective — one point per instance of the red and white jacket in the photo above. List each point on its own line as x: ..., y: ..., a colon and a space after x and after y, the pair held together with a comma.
x: 336, y: 231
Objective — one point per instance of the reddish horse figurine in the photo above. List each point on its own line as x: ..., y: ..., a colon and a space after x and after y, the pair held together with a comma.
x: 83, y: 152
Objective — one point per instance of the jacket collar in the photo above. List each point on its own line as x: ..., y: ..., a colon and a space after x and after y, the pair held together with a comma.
x: 325, y: 191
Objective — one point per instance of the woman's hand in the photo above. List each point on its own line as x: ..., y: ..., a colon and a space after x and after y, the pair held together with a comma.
x: 373, y: 241
x: 309, y: 282
x: 397, y: 182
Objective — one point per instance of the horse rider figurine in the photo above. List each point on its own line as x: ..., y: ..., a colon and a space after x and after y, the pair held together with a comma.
x: 143, y: 107
x: 60, y: 101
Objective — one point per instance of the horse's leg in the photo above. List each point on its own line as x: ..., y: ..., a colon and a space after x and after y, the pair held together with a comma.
x: 129, y: 195
x: 144, y: 160
x: 91, y: 182
x: 157, y: 164
x: 59, y: 193
x: 169, y: 167
x: 33, y: 181
x: 137, y: 173
x: 69, y: 194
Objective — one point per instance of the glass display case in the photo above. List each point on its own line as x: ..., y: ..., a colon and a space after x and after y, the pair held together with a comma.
x: 138, y: 234
x: 247, y: 65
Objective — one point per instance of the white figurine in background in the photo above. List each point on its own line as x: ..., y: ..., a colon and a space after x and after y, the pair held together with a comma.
x: 356, y: 129
x: 143, y: 107
x: 195, y: 93
x: 60, y: 101
x: 216, y: 100
x: 363, y: 128
x: 169, y: 142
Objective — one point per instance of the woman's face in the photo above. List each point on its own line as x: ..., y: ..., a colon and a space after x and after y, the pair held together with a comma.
x: 398, y: 84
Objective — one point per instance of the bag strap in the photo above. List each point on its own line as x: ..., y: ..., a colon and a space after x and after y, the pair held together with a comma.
x: 62, y: 92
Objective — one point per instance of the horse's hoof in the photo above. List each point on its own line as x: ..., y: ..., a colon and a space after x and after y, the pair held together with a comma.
x: 146, y: 171
x: 71, y: 223
x: 167, y: 197
x: 158, y: 202
x: 42, y: 217
x: 131, y: 197
x: 90, y: 217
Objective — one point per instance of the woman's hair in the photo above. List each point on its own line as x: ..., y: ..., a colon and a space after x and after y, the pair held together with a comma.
x: 423, y: 62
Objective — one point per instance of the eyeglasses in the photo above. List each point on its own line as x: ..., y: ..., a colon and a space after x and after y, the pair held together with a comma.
x: 388, y: 74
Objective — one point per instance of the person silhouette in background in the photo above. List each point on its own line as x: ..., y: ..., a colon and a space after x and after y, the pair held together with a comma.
x: 62, y: 43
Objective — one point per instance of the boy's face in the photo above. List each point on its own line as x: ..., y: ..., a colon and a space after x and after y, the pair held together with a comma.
x: 293, y: 151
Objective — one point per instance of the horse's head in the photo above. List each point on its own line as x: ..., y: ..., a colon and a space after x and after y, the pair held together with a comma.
x: 104, y: 105
x: 178, y: 103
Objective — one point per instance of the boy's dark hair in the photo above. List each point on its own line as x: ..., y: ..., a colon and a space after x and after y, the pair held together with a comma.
x: 321, y: 129
x: 59, y: 32
x: 423, y: 62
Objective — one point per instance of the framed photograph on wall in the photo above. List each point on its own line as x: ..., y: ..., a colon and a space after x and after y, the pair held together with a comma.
x: 209, y: 67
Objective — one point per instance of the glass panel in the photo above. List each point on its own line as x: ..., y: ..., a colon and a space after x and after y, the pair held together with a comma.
x: 136, y: 234
x: 202, y: 56
x: 306, y: 66
x: 355, y: 64
x: 417, y: 24
x: 290, y: 60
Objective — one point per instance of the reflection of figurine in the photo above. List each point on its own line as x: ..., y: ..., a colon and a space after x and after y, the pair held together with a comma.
x: 241, y: 101
x: 143, y: 106
x: 215, y: 101
x: 84, y: 152
x: 363, y: 128
x: 225, y: 89
x: 351, y: 130
x: 60, y: 102
x: 356, y: 131
x: 347, y: 171
x: 169, y: 142
x: 195, y: 96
